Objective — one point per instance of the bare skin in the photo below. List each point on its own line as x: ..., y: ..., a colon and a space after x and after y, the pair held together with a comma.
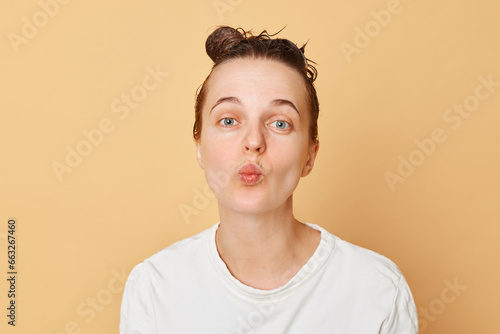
x: 267, y: 261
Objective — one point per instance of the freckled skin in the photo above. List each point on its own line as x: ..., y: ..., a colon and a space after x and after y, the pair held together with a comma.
x: 255, y: 133
x: 255, y: 111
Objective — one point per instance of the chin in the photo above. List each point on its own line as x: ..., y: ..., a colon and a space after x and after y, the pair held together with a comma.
x: 247, y: 205
x: 251, y: 203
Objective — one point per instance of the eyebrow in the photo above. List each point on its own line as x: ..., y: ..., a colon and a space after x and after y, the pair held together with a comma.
x: 275, y: 102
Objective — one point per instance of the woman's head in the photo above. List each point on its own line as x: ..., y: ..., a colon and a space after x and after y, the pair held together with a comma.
x: 256, y: 111
x: 227, y: 44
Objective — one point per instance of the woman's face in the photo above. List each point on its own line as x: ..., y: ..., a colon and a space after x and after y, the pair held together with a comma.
x: 255, y: 143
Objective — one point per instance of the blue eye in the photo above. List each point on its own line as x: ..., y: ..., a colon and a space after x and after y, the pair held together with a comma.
x: 281, y: 125
x: 228, y: 121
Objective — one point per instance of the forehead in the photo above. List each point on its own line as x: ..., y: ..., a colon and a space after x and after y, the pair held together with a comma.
x: 257, y: 80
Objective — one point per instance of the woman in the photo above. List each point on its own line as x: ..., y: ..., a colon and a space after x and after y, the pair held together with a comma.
x: 260, y: 270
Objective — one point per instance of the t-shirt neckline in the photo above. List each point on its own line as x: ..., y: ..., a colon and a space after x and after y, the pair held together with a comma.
x: 309, y: 270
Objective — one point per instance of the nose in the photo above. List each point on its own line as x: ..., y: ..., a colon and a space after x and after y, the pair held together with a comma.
x: 254, y: 140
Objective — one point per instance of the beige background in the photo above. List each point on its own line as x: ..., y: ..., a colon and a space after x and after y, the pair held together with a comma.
x: 122, y: 203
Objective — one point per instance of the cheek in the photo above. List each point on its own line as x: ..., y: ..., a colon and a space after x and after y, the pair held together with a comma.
x: 219, y: 163
x: 217, y: 153
x: 288, y: 159
x: 217, y: 167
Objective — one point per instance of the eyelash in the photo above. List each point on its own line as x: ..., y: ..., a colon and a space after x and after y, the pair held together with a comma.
x: 222, y: 121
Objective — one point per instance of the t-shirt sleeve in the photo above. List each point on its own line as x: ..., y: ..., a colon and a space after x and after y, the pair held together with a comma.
x: 403, y: 318
x: 136, y: 313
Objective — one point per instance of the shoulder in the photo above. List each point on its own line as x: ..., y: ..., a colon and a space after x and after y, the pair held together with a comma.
x: 177, y: 255
x: 367, y: 261
x: 362, y: 265
x: 372, y: 281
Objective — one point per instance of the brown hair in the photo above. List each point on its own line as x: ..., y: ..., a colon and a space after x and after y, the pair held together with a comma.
x: 227, y: 43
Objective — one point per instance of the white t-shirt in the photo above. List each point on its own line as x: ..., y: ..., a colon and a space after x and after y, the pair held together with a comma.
x: 187, y: 288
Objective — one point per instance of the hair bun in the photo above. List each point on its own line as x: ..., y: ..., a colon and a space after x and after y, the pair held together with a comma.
x: 222, y: 40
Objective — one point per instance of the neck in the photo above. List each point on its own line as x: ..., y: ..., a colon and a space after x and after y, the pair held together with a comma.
x: 264, y: 250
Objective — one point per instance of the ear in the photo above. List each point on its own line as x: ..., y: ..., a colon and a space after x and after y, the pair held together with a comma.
x: 311, y: 157
x: 198, y: 154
